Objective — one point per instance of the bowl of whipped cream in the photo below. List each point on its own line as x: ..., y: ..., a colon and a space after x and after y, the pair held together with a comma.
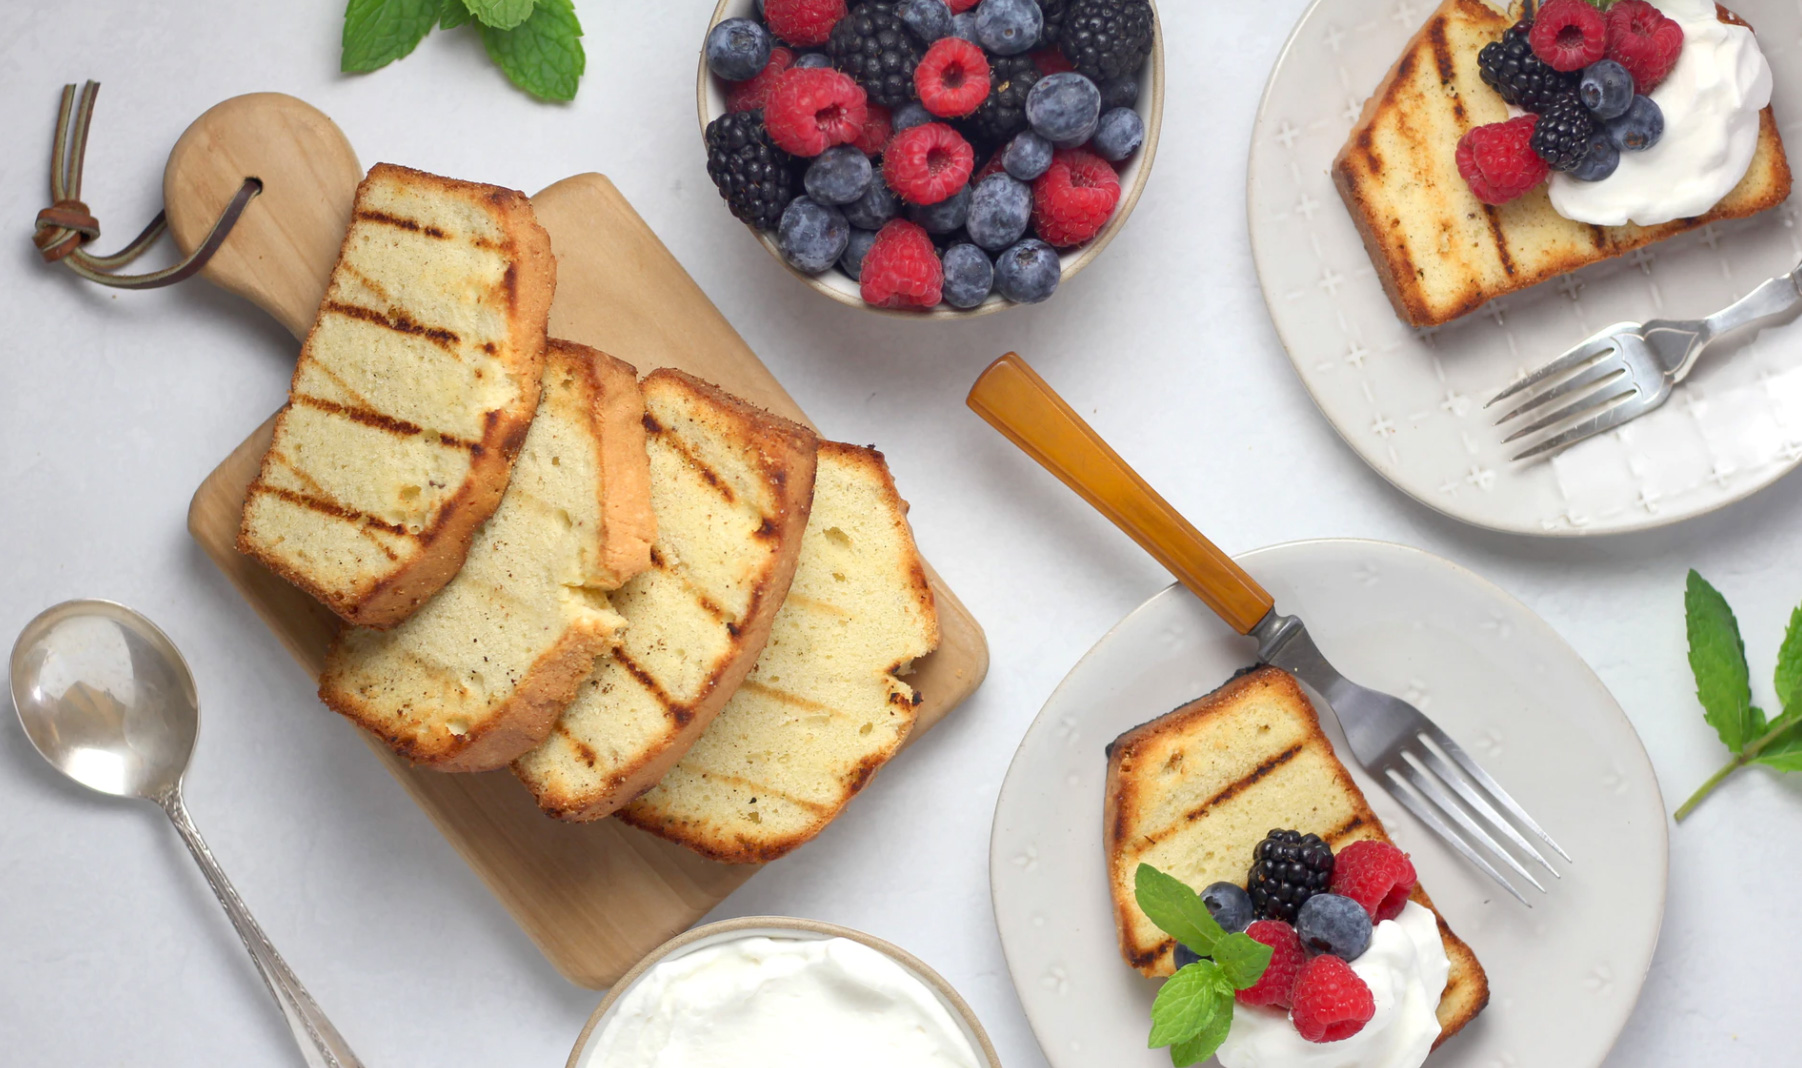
x: 776, y: 992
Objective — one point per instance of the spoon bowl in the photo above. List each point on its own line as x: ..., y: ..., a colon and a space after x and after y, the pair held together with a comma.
x: 106, y: 698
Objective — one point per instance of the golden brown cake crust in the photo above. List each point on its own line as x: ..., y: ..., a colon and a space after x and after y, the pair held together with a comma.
x: 1441, y: 253
x: 1134, y: 760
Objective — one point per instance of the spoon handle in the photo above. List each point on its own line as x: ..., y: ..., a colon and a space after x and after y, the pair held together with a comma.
x: 320, y: 1044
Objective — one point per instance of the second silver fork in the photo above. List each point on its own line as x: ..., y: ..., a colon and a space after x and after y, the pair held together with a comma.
x: 1626, y: 370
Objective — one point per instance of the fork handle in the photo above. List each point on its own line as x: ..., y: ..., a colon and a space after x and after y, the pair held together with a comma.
x: 1774, y: 299
x: 1014, y: 400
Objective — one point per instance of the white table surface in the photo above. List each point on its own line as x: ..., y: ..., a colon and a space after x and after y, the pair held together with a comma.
x: 114, y: 406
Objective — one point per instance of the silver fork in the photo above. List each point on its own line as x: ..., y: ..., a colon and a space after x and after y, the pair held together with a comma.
x: 1416, y: 762
x: 1624, y: 371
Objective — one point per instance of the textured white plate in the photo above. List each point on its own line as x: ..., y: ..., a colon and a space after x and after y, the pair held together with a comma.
x: 1563, y: 975
x: 1411, y: 403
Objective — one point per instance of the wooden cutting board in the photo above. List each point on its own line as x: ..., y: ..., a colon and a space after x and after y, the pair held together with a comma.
x: 594, y: 897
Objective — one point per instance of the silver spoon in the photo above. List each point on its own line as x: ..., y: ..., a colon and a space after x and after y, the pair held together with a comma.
x: 108, y: 700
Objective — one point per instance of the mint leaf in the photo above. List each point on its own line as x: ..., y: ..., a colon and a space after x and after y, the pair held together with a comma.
x: 1717, y: 657
x: 452, y: 13
x: 1187, y: 1003
x: 378, y: 32
x: 1178, y: 910
x: 1784, y: 752
x: 1789, y: 666
x: 1206, y: 1041
x: 500, y: 14
x: 1242, y: 959
x: 542, y: 55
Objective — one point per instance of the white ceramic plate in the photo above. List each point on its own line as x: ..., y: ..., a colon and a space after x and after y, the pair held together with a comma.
x: 1563, y: 975
x: 1411, y: 403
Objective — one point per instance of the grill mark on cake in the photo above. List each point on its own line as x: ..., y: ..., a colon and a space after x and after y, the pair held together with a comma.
x: 379, y: 291
x: 1337, y: 834
x: 1598, y: 236
x: 398, y: 321
x: 1501, y: 241
x: 681, y: 713
x: 708, y: 604
x: 782, y: 696
x: 583, y: 750
x: 312, y: 484
x: 1442, y: 51
x: 1244, y: 782
x: 333, y: 509
x: 356, y: 399
x: 400, y: 222
x: 676, y: 445
x: 380, y: 421
x: 763, y: 789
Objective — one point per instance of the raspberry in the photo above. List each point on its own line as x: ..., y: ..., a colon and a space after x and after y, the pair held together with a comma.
x: 803, y: 22
x: 1499, y: 162
x: 1287, y: 957
x: 878, y: 127
x: 1330, y: 1001
x: 926, y: 164
x: 1644, y: 40
x: 1376, y: 875
x: 958, y: 7
x: 754, y: 92
x: 902, y: 269
x: 811, y: 109
x: 1074, y: 198
x: 953, y: 78
x: 1052, y: 61
x: 1569, y: 34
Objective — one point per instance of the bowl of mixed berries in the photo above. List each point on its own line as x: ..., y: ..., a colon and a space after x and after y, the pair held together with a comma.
x: 936, y: 158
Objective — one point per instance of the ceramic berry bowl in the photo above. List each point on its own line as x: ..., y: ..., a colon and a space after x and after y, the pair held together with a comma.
x: 1014, y: 167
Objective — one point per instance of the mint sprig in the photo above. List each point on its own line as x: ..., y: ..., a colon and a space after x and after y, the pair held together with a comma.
x: 1717, y: 659
x: 1194, y: 1009
x: 536, y: 43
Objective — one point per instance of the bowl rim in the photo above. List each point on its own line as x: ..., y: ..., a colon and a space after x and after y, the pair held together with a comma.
x: 789, y: 926
x: 1129, y: 199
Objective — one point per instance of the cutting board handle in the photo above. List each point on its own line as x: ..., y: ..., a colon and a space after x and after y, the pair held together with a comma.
x: 282, y: 250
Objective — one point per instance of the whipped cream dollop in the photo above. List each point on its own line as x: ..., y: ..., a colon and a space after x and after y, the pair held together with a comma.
x: 1711, y: 100
x: 1405, y: 968
x: 781, y: 1003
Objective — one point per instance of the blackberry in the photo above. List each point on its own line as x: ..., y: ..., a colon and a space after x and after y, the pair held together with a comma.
x: 873, y: 45
x: 1523, y: 79
x: 756, y: 178
x: 1287, y: 869
x: 1107, y: 39
x: 1054, y: 12
x: 1562, y: 135
x: 1003, y: 114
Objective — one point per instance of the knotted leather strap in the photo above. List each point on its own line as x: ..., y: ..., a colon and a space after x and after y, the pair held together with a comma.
x: 66, y: 226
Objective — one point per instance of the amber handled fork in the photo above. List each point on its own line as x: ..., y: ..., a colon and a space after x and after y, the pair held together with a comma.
x: 1419, y: 764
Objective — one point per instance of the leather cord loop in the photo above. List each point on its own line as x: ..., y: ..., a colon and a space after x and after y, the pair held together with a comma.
x: 65, y: 228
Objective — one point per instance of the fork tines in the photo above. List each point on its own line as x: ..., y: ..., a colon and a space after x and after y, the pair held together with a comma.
x: 1595, y: 379
x: 1436, y: 781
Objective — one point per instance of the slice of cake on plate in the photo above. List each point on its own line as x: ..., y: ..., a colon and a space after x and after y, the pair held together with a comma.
x: 1239, y: 796
x: 825, y: 707
x: 1510, y: 146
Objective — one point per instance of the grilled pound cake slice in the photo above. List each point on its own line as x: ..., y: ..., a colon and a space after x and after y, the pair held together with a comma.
x: 1192, y: 793
x: 477, y: 676
x: 412, y: 396
x: 1439, y: 251
x: 732, y: 486
x: 825, y: 706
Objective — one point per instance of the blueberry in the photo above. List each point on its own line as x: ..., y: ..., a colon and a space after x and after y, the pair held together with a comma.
x: 812, y: 235
x: 811, y: 60
x: 928, y: 19
x: 969, y: 276
x: 851, y: 260
x: 839, y: 175
x: 738, y: 49
x: 1063, y: 107
x: 1000, y: 208
x: 1229, y: 904
x: 1029, y: 272
x: 1027, y: 156
x: 1638, y: 129
x: 911, y: 114
x: 1599, y: 160
x: 878, y: 205
x: 1119, y: 134
x: 945, y: 216
x: 1329, y: 923
x: 1185, y: 956
x: 1009, y: 27
x: 1606, y: 89
x: 1121, y: 93
x: 964, y: 26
